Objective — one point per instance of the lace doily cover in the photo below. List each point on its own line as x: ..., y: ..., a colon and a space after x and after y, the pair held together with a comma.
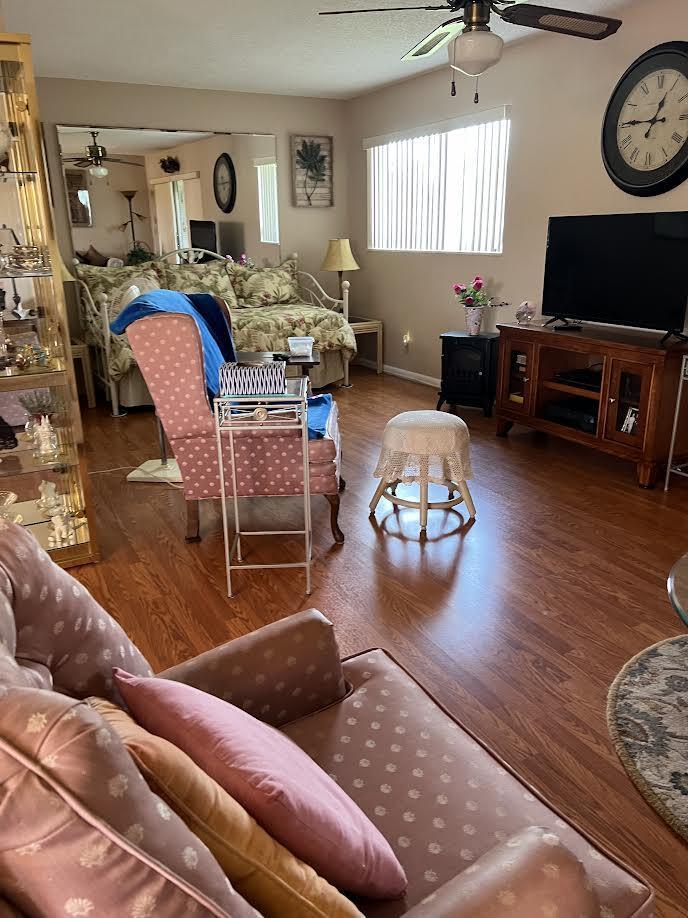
x: 425, y: 445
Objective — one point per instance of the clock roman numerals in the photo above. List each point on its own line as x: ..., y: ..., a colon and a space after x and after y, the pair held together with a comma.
x: 645, y: 140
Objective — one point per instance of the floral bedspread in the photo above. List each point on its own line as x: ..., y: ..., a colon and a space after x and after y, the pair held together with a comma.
x: 265, y: 328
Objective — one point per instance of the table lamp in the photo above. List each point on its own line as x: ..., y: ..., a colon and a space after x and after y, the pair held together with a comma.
x: 339, y: 258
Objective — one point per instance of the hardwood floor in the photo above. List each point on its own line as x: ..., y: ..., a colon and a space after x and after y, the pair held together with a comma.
x: 518, y: 623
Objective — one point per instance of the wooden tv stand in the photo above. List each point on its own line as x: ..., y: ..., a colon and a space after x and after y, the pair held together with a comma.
x: 611, y: 389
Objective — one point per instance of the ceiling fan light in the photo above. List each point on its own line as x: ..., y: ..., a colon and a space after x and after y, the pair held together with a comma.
x: 98, y: 171
x: 475, y: 52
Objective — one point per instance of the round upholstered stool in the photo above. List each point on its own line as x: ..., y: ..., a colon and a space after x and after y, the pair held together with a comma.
x: 422, y: 447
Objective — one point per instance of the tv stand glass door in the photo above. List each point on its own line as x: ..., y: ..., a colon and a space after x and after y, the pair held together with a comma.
x: 628, y: 400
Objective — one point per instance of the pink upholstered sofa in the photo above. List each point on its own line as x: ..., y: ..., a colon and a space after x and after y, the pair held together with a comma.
x: 169, y: 354
x: 82, y: 834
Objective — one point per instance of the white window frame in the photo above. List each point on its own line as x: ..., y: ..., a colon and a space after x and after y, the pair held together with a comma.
x: 268, y: 206
x: 496, y: 209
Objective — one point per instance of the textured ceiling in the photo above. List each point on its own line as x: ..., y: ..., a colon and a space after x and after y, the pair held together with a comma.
x: 243, y: 45
x: 73, y: 140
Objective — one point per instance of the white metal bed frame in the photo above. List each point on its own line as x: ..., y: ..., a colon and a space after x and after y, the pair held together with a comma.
x: 96, y: 315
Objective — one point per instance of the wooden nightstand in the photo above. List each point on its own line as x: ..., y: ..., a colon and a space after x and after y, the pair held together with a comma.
x: 363, y: 326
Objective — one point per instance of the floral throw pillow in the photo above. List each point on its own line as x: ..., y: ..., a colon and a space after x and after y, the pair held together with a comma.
x: 266, y: 286
x: 213, y: 277
x: 108, y: 280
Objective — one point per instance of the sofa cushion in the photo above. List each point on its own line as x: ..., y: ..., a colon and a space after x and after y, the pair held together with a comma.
x: 80, y: 832
x: 266, y: 286
x: 109, y: 280
x: 436, y: 794
x: 212, y: 277
x: 526, y: 876
x: 61, y: 637
x: 284, y: 791
x: 278, y: 884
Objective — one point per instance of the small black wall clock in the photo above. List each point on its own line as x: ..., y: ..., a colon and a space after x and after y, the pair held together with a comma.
x: 645, y: 133
x: 224, y: 183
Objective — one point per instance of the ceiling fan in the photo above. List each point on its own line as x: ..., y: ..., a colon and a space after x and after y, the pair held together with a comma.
x: 473, y: 47
x: 95, y: 157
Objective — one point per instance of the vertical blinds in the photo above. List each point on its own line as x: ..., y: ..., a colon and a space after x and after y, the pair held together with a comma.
x: 267, y: 202
x: 440, y: 191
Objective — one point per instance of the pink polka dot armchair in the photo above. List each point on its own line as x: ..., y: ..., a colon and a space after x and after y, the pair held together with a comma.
x: 168, y: 351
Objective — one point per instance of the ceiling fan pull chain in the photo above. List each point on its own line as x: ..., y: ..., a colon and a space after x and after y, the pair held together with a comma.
x: 476, y: 97
x: 453, y: 86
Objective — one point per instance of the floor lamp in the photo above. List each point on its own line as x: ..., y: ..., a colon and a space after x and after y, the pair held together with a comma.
x: 340, y: 258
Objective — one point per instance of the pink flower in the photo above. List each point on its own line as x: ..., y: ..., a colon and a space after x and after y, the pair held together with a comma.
x: 469, y: 301
x: 478, y: 277
x: 478, y: 284
x: 457, y: 288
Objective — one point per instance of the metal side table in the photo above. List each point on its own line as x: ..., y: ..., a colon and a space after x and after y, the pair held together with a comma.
x: 261, y: 413
x: 672, y: 469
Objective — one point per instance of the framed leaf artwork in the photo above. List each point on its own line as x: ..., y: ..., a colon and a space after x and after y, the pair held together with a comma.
x: 312, y: 169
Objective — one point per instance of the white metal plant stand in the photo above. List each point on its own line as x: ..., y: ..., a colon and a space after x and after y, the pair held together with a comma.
x: 261, y: 413
x: 672, y: 469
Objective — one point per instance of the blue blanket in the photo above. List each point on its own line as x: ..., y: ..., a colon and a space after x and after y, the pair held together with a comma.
x: 319, y: 407
x: 216, y: 337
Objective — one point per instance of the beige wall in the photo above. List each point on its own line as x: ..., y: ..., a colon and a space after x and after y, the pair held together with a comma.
x: 110, y: 210
x: 558, y: 89
x: 304, y: 230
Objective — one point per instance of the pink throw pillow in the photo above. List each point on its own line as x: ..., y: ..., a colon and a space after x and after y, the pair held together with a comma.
x: 281, y: 787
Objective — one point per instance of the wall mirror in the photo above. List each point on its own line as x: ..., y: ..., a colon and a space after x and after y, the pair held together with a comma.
x: 133, y: 194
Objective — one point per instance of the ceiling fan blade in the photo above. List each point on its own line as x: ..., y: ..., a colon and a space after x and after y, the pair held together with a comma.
x: 77, y: 161
x: 437, y: 39
x: 385, y: 9
x: 121, y: 162
x: 566, y: 22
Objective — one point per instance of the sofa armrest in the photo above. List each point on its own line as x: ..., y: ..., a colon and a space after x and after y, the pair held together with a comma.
x: 279, y: 673
x: 530, y: 874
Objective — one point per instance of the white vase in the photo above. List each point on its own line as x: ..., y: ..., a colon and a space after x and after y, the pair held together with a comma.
x: 474, y: 319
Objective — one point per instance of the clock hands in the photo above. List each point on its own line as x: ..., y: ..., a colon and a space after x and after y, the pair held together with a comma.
x: 651, y: 121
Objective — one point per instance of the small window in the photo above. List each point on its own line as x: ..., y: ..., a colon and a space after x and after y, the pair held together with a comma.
x: 267, y: 202
x: 440, y: 188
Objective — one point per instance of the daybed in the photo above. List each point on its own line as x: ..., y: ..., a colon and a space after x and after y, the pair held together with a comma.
x: 267, y: 306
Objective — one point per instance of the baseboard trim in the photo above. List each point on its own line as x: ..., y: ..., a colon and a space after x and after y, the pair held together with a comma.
x: 403, y: 374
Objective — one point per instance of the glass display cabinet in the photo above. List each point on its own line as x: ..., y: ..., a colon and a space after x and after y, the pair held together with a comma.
x: 42, y: 478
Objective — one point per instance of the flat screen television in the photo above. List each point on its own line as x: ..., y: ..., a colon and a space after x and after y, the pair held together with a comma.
x: 619, y: 269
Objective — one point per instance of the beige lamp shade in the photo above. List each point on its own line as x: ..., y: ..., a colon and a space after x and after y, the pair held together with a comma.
x: 339, y: 257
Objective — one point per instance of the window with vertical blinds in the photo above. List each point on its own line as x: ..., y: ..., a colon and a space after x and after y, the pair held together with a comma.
x: 441, y: 187
x: 267, y: 202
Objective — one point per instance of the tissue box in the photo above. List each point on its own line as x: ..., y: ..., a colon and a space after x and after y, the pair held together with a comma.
x: 301, y: 347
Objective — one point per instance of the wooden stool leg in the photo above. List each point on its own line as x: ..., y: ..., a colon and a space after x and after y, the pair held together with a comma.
x: 377, y: 495
x: 423, y: 505
x: 468, y: 500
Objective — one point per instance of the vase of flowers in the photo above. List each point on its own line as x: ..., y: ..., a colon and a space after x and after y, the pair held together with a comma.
x: 473, y: 297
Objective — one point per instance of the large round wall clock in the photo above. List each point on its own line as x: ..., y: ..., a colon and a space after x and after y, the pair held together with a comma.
x: 645, y: 133
x: 224, y: 183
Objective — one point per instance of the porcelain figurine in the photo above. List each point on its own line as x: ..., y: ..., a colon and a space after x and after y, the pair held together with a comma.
x: 63, y: 533
x: 49, y: 499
